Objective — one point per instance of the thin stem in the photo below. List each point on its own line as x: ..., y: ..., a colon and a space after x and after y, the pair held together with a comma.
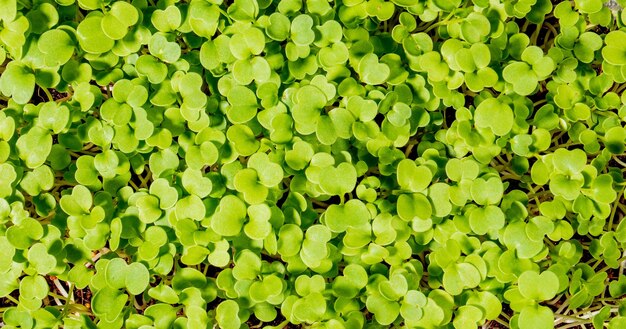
x: 47, y: 218
x: 76, y: 155
x: 596, y: 264
x: 66, y: 98
x: 225, y: 14
x: 134, y: 185
x: 585, y: 314
x: 65, y: 183
x: 615, y: 204
x: 57, y: 296
x: 71, y: 297
x: 60, y: 287
x: 432, y: 26
x: 504, y: 162
x: 87, y: 146
x: 618, y: 160
x: 556, y: 138
x: 561, y: 317
x: 534, y: 194
x: 508, y: 175
x: 563, y: 306
x: 409, y: 148
x: 604, y: 269
x: 538, y: 194
x: 9, y: 297
x: 25, y: 3
x: 525, y: 26
x: 535, y: 34
x: 554, y: 300
x: 48, y: 94
x: 622, y: 265
x: 282, y: 324
x: 556, y: 147
x: 551, y: 28
x: 136, y: 303
x: 144, y: 181
x: 320, y: 203
x: 546, y: 38
x: 575, y: 324
x: 502, y: 322
x: 75, y: 308
x: 612, y: 300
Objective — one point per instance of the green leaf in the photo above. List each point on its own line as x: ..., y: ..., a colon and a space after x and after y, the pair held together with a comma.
x: 339, y: 180
x: 53, y: 117
x: 244, y: 10
x: 203, y: 18
x: 150, y: 67
x: 34, y: 147
x: 371, y: 71
x: 57, y: 46
x: 164, y: 50
x: 8, y: 10
x: 494, y: 115
x: 244, y: 104
x: 290, y: 239
x: 190, y: 207
x: 137, y: 278
x: 18, y: 81
x: 247, y: 43
x: 539, y: 287
x: 457, y: 277
x: 164, y: 293
x: 412, y: 177
x: 43, y: 17
x: 270, y: 174
x: 36, y: 181
x: 34, y: 287
x: 195, y: 183
x: 91, y: 37
x: 229, y: 217
x: 279, y: 27
x: 7, y: 177
x: 166, y: 20
x: 302, y: 32
x: 115, y: 273
x: 486, y: 220
x: 487, y: 191
x: 227, y: 315
x: 536, y: 316
x: 39, y: 257
x: 385, y: 312
x: 108, y: 303
x: 414, y: 206
x: 380, y: 9
x: 353, y: 213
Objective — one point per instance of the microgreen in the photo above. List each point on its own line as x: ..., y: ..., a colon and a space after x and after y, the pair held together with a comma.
x: 328, y: 164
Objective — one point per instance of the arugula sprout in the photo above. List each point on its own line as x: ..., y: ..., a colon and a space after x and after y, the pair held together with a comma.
x: 346, y: 164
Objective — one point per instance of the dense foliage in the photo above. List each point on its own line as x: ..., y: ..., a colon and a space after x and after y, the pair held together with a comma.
x: 330, y: 164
